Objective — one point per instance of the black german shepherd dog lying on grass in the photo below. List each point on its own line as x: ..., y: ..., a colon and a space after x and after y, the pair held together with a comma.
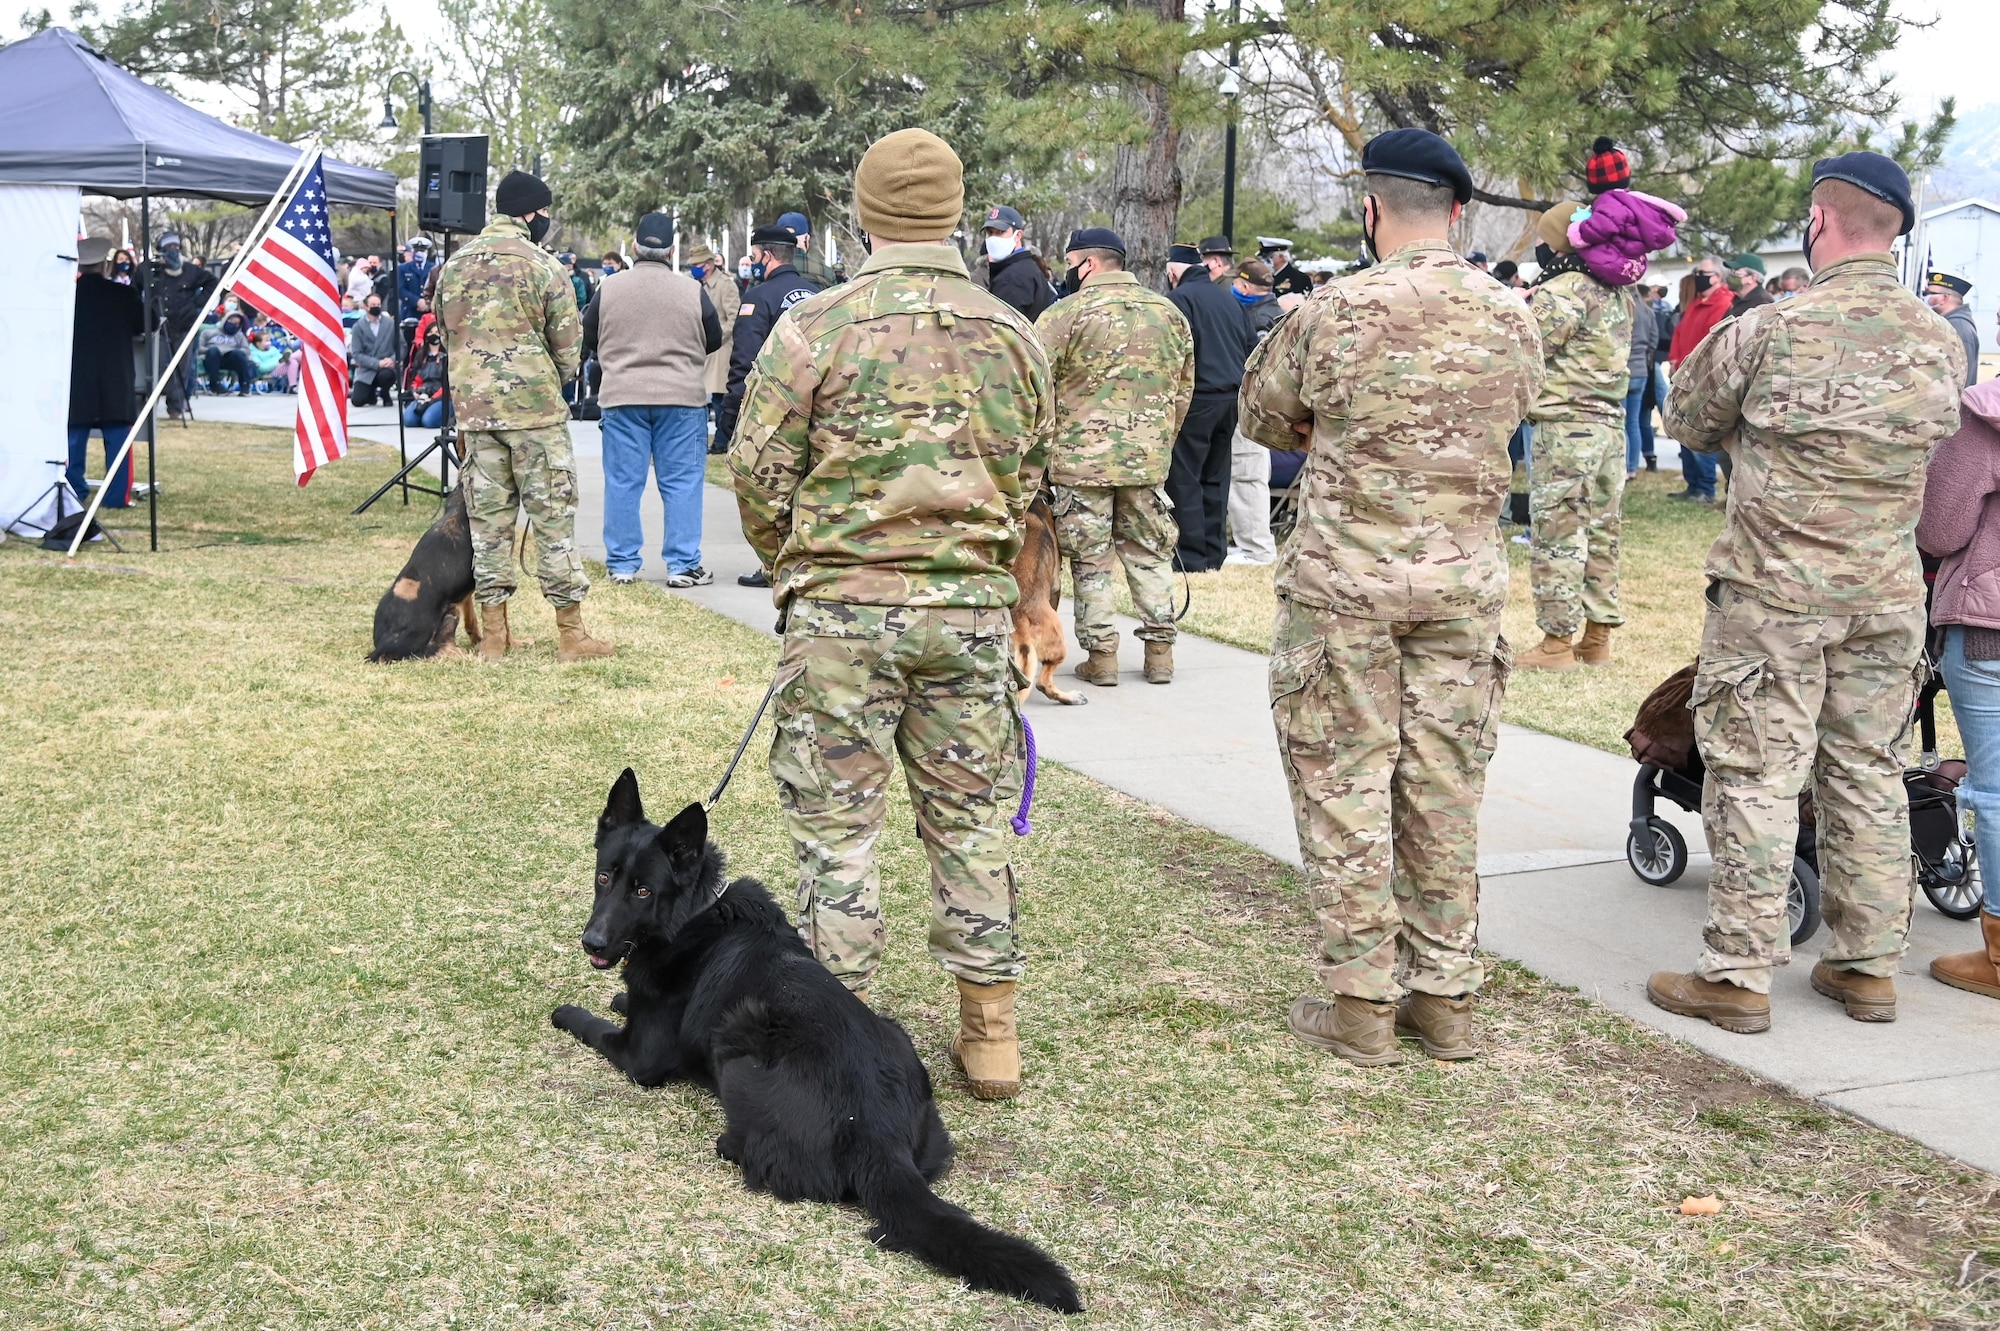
x: 824, y: 1100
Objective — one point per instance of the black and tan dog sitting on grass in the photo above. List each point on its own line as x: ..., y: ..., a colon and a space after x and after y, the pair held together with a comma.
x: 420, y: 613
x: 823, y: 1099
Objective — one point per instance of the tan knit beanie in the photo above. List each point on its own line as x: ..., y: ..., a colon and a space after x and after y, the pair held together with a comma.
x: 910, y: 186
x: 1553, y: 229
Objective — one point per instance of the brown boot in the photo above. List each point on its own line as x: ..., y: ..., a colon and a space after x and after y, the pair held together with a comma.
x: 574, y: 642
x: 1442, y: 1025
x: 1361, y: 1032
x: 1866, y: 997
x: 493, y: 640
x: 1974, y: 972
x: 1729, y: 1006
x: 1594, y: 648
x: 1100, y: 668
x: 987, y: 1047
x: 1159, y: 663
x: 1553, y: 654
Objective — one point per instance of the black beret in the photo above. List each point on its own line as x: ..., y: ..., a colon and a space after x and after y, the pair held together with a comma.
x: 772, y: 234
x: 1217, y: 245
x: 655, y: 231
x: 520, y: 194
x: 1183, y: 254
x: 1096, y: 238
x: 1874, y: 173
x: 1418, y: 154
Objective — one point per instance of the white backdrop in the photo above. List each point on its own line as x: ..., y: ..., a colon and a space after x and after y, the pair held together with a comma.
x: 37, y: 307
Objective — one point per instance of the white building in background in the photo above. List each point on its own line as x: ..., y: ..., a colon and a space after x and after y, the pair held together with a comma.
x: 1965, y: 237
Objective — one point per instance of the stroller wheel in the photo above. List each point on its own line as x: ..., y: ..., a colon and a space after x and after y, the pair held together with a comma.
x: 1802, y: 901
x: 1659, y: 855
x: 1953, y: 886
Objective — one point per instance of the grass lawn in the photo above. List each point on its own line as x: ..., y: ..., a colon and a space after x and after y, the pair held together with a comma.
x: 284, y: 930
x: 1664, y: 545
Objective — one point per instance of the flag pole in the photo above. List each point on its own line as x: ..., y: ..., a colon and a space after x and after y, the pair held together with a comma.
x: 278, y: 200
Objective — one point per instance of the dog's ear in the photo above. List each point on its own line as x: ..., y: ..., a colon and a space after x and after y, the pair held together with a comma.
x: 684, y: 838
x: 623, y: 808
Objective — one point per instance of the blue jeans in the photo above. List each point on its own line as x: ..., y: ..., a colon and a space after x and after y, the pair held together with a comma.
x: 674, y: 441
x: 1974, y: 687
x: 1636, y: 445
x: 118, y: 489
x: 424, y: 415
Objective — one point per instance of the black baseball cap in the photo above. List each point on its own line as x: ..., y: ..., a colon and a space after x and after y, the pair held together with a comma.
x: 655, y: 231
x: 1002, y: 218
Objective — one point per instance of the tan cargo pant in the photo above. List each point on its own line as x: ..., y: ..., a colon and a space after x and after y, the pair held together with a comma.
x: 1781, y: 698
x: 1099, y: 528
x: 1576, y: 488
x: 1385, y: 730
x: 859, y: 685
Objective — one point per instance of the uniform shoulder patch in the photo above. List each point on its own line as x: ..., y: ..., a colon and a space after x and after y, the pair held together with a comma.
x: 747, y: 308
x: 794, y: 297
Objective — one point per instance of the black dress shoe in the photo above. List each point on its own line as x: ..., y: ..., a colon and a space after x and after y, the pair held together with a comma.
x: 754, y: 579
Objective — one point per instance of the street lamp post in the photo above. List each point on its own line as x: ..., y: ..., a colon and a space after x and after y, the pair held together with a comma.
x: 423, y: 100
x: 1230, y: 90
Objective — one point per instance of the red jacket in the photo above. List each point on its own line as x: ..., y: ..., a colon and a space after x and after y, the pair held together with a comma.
x: 1702, y: 314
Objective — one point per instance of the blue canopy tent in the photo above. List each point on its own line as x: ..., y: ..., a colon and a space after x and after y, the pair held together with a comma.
x: 71, y: 117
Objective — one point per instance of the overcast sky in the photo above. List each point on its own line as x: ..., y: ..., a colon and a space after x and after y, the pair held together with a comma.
x: 1953, y: 58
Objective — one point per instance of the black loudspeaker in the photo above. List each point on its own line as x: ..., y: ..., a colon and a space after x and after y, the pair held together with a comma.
x: 451, y: 183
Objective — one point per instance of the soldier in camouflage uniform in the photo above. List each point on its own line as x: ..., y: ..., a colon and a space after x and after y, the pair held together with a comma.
x: 1387, y: 665
x: 892, y: 432
x: 514, y: 335
x: 1576, y: 466
x: 1829, y: 403
x: 1123, y: 362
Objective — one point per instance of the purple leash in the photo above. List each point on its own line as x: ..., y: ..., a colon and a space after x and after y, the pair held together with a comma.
x: 1020, y: 820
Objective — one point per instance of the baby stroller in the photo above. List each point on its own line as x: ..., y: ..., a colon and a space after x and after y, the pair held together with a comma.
x: 1670, y: 767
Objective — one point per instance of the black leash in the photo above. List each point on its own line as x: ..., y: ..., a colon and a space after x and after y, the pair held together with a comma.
x: 1187, y: 590
x: 715, y: 796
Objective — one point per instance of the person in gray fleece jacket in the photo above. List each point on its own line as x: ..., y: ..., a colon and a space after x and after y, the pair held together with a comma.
x: 1961, y: 527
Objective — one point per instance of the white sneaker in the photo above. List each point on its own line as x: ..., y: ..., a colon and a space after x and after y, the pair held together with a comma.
x: 694, y: 577
x: 624, y: 579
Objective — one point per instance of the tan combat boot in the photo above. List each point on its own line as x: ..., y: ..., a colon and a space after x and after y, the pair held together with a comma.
x: 1553, y: 654
x: 987, y: 1047
x: 1866, y: 997
x: 493, y: 640
x: 1717, y: 1002
x: 1442, y: 1025
x: 1361, y: 1032
x: 574, y: 642
x: 1975, y: 972
x: 1159, y: 663
x: 1594, y: 648
x: 1100, y: 668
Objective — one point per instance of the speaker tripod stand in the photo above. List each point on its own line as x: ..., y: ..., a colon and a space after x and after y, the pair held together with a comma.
x: 450, y: 454
x: 63, y: 526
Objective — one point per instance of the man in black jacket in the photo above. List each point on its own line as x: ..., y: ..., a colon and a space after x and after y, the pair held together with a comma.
x: 777, y: 287
x: 1011, y: 271
x: 1198, y: 478
x: 101, y: 396
x: 176, y: 292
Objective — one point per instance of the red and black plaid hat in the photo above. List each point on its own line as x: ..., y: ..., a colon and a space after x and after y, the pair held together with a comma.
x: 1607, y: 167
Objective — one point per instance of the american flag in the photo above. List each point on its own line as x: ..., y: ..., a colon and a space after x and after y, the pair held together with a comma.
x: 290, y: 277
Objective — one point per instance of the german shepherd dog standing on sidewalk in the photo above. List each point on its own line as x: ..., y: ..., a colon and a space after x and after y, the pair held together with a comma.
x: 823, y: 1099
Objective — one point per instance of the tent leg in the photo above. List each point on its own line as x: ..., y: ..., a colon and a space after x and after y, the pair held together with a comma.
x: 152, y: 377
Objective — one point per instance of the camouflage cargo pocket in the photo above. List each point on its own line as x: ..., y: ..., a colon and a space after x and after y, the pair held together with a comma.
x: 1297, y: 709
x: 1496, y: 695
x: 1728, y: 725
x: 795, y: 756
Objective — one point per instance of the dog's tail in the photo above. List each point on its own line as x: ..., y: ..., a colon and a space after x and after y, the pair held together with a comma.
x: 911, y: 1218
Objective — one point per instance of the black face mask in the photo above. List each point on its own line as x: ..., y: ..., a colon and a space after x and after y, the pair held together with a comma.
x: 124, y: 267
x: 1073, y: 279
x: 538, y: 226
x: 1703, y: 281
x: 1809, y: 239
x: 1368, y: 228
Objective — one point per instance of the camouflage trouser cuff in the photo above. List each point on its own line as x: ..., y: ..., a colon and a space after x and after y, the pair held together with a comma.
x: 1155, y: 633
x: 995, y: 974
x: 494, y: 596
